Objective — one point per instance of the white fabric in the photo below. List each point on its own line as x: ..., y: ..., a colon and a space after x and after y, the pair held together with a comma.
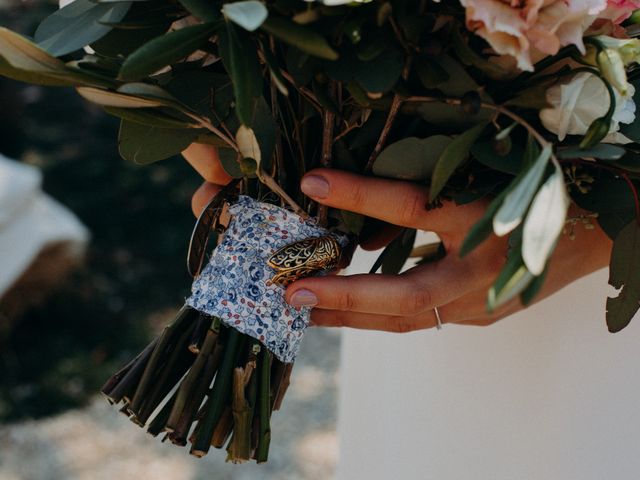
x: 547, y: 394
x: 29, y: 221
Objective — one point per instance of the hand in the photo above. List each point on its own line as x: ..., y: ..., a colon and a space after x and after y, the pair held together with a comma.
x: 405, y: 302
x: 458, y: 287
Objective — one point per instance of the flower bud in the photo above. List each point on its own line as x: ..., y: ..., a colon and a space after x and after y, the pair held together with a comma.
x: 612, y: 68
x: 596, y: 132
x: 628, y: 48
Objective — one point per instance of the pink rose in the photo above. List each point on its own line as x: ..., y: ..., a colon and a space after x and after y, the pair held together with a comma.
x: 619, y: 10
x: 526, y: 28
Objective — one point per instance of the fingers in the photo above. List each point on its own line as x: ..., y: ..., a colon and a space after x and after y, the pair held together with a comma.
x: 416, y: 291
x: 203, y: 196
x: 468, y: 310
x: 204, y: 159
x: 393, y: 201
x: 368, y: 321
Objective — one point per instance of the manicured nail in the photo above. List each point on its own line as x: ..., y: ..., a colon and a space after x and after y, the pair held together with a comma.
x: 314, y: 186
x: 303, y: 298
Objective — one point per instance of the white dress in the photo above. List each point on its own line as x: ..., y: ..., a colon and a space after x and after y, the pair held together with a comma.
x: 547, y: 394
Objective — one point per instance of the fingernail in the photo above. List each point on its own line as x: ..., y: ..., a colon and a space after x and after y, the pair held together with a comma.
x: 303, y: 298
x: 314, y: 186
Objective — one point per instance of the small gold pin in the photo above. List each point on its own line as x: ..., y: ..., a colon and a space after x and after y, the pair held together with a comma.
x: 304, y: 258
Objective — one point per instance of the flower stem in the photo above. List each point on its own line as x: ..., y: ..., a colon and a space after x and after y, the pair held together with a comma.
x: 219, y: 395
x: 264, y: 407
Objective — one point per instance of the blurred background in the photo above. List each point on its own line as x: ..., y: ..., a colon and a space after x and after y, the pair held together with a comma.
x: 87, y: 299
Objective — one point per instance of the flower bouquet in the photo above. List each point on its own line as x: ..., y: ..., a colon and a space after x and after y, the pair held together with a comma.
x: 528, y: 104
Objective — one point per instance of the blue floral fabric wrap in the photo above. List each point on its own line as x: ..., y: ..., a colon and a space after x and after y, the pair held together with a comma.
x: 234, y: 285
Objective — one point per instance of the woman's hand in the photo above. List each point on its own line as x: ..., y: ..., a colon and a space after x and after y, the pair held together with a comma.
x: 457, y: 286
x: 405, y: 302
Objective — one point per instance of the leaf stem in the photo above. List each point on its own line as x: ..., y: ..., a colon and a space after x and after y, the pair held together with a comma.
x: 393, y: 112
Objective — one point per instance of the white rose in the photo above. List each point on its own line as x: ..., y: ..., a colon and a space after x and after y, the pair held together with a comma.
x: 577, y: 102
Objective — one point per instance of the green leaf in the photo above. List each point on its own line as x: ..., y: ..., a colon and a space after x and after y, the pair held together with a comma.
x: 430, y: 72
x: 623, y: 275
x: 144, y: 144
x: 37, y: 78
x: 202, y: 9
x: 108, y: 98
x: 300, y: 37
x: 381, y: 74
x: 166, y: 50
x: 411, y: 158
x: 249, y: 14
x: 483, y: 227
x: 23, y: 54
x: 398, y: 251
x: 78, y: 24
x: 23, y: 60
x: 510, y: 214
x: 276, y: 73
x: 452, y: 157
x: 511, y: 162
x: 209, y: 94
x: 152, y: 117
x: 602, y: 151
x: 229, y: 161
x: 529, y: 293
x: 544, y: 223
x: 239, y: 55
x: 513, y: 279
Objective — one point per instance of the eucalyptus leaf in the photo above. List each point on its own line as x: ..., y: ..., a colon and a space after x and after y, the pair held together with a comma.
x: 529, y: 294
x: 249, y: 14
x: 22, y: 54
x: 452, y: 157
x: 544, y: 223
x: 411, y: 158
x: 78, y: 24
x: 229, y: 161
x: 430, y: 72
x: 511, y: 162
x: 152, y: 117
x: 602, y: 151
x: 623, y: 275
x: 146, y: 144
x: 513, y: 279
x: 108, y: 98
x: 239, y: 56
x: 166, y: 50
x: 510, y: 214
x: 202, y: 9
x: 300, y: 37
x: 207, y: 93
x: 483, y: 227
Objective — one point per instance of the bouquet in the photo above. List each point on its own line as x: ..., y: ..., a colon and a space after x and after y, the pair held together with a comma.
x: 528, y: 104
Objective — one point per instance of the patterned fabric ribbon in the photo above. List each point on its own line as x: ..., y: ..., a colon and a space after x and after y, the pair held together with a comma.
x: 236, y: 285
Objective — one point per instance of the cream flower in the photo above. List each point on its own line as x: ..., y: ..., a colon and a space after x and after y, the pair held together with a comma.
x: 579, y: 101
x: 521, y: 27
